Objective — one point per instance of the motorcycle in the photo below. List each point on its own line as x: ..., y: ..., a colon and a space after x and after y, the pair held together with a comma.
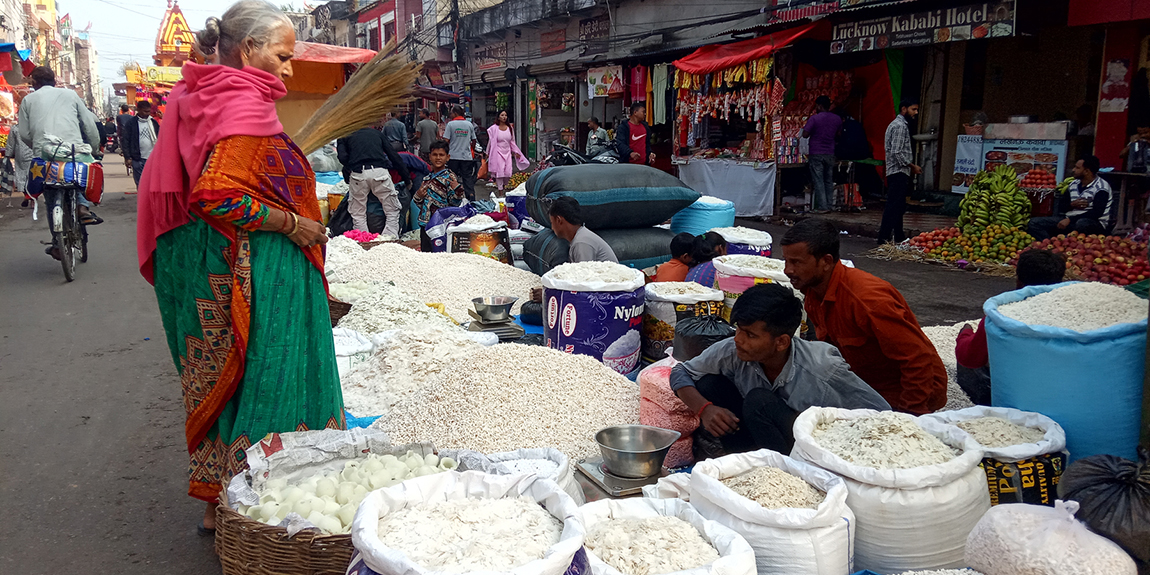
x: 110, y: 143
x: 564, y: 156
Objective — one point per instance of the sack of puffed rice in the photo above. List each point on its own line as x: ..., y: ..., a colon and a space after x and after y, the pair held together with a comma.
x: 669, y: 302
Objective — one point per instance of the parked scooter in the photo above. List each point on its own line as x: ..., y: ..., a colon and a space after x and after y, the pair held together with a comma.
x: 564, y: 156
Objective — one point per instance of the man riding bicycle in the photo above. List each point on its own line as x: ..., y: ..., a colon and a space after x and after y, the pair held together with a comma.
x: 55, y: 123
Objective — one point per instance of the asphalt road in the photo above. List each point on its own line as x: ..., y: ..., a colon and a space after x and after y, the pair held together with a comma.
x: 93, y: 472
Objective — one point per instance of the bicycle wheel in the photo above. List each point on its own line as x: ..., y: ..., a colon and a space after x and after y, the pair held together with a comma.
x: 67, y: 237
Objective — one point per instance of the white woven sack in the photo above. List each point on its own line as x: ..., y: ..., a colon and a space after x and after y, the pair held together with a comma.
x: 1053, y: 441
x: 474, y: 485
x: 653, y: 295
x: 673, y: 486
x: 564, y: 475
x: 786, y: 541
x: 906, y: 519
x: 1019, y: 538
x: 723, y: 266
x: 735, y: 555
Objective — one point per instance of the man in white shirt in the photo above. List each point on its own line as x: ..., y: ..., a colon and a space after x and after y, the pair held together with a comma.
x: 1088, y: 205
x: 460, y: 134
x: 140, y: 138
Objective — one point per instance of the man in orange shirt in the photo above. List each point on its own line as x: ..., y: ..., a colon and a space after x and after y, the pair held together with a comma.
x: 866, y: 319
x: 676, y: 269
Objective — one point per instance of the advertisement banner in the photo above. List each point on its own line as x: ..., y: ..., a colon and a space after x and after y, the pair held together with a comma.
x: 532, y: 117
x: 165, y: 74
x: 1026, y: 155
x: 972, y: 22
x: 605, y: 81
x: 967, y: 163
x: 553, y: 42
x: 491, y: 57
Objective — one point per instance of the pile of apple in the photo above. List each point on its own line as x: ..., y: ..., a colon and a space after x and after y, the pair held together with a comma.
x: 1038, y: 178
x: 1106, y: 259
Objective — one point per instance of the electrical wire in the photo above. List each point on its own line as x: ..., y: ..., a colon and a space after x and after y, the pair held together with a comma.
x: 129, y: 10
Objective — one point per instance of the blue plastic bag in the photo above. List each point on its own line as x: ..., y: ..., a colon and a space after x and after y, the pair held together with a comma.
x: 700, y: 217
x: 1090, y: 383
x: 438, y: 223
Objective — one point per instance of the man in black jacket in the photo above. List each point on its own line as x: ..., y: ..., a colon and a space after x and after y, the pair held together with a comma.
x: 367, y: 159
x: 633, y: 137
x: 140, y: 135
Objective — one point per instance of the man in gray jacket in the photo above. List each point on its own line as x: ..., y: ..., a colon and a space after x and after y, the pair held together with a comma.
x: 747, y: 390
x: 57, y: 126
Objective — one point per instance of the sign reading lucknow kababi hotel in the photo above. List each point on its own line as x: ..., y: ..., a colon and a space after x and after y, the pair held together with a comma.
x: 973, y: 22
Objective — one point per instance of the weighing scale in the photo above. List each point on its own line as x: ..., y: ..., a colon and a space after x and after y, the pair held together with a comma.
x: 507, y: 330
x: 614, y: 486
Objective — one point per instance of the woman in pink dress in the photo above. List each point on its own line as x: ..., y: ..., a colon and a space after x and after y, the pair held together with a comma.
x: 501, y: 146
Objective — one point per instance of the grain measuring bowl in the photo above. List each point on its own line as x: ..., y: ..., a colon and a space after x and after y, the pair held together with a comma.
x: 493, y: 309
x: 635, y: 451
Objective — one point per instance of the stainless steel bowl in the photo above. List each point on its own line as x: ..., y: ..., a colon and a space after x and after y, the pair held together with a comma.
x: 494, y: 308
x: 635, y: 451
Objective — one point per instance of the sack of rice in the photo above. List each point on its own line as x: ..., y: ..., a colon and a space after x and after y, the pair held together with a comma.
x: 660, y: 407
x: 480, y: 235
x: 1039, y: 540
x: 746, y: 241
x: 669, y: 302
x: 794, y: 515
x: 595, y: 309
x: 915, y: 495
x: 1023, y: 452
x: 546, y: 462
x: 1046, y: 341
x: 643, y: 536
x: 517, y: 203
x: 734, y: 274
x: 470, y: 522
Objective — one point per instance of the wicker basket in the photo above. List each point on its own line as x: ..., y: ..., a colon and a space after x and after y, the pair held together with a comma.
x: 250, y: 547
x: 338, y: 309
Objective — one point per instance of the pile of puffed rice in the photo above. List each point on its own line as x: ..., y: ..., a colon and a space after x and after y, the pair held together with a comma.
x: 885, y: 440
x: 774, y: 488
x: 607, y: 272
x: 1080, y: 307
x: 942, y: 572
x: 386, y: 307
x: 466, y: 535
x: 999, y: 432
x: 944, y: 338
x: 668, y: 289
x: 511, y: 396
x: 753, y: 262
x: 650, y: 546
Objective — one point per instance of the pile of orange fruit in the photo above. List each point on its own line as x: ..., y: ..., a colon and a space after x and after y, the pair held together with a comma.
x: 994, y: 243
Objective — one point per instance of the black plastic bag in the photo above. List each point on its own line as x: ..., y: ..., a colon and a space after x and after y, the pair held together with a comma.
x: 531, y: 313
x: 1114, y: 498
x: 695, y: 334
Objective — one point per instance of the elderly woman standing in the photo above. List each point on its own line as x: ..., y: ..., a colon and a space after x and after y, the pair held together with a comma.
x: 501, y: 148
x: 229, y: 234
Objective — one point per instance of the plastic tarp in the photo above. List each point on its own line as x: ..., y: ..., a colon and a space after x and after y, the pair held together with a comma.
x: 751, y: 189
x: 715, y: 57
x: 312, y: 52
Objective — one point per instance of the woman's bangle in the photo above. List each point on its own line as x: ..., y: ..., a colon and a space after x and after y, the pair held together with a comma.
x: 284, y: 227
x: 705, y: 406
x: 295, y: 225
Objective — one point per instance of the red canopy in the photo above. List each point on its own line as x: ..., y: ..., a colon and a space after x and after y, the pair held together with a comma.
x: 717, y: 57
x: 312, y: 52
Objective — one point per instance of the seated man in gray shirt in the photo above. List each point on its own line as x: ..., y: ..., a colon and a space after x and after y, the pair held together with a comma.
x: 567, y: 223
x: 749, y: 389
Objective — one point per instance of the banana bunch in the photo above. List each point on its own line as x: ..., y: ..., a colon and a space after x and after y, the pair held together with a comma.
x: 994, y: 198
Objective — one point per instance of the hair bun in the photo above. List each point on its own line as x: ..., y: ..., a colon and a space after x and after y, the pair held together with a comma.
x: 207, y: 38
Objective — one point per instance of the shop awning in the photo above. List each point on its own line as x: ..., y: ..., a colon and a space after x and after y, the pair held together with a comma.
x: 717, y: 57
x: 432, y: 93
x: 326, y: 53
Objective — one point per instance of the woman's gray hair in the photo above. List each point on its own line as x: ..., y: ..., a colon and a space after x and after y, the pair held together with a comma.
x: 255, y: 19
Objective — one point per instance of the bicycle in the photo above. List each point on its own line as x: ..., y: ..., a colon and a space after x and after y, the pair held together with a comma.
x: 69, y: 236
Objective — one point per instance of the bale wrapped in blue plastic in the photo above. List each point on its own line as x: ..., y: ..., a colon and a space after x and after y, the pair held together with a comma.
x: 707, y: 213
x: 612, y: 196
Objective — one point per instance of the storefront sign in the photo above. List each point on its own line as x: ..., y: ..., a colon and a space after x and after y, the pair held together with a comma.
x: 987, y: 20
x: 553, y: 42
x: 1026, y: 155
x: 605, y: 81
x: 165, y: 74
x: 491, y: 57
x: 967, y: 162
x: 843, y: 4
x: 594, y: 29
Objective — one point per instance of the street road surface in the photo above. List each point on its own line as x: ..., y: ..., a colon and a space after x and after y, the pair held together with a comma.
x: 93, y: 469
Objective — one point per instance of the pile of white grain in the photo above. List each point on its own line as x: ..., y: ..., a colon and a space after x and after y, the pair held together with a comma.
x: 480, y: 220
x: 385, y: 307
x: 408, y: 361
x: 942, y: 572
x: 885, y: 440
x: 340, y: 256
x: 744, y: 235
x: 944, y: 338
x: 753, y: 262
x: 451, y: 279
x: 607, y: 272
x: 668, y: 289
x: 774, y: 488
x: 1080, y: 307
x: 510, y: 396
x: 999, y: 432
x: 466, y: 535
x: 712, y: 200
x: 540, y: 467
x: 650, y: 546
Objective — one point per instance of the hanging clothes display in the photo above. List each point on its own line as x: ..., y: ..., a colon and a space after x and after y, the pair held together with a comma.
x: 638, y: 84
x: 659, y: 85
